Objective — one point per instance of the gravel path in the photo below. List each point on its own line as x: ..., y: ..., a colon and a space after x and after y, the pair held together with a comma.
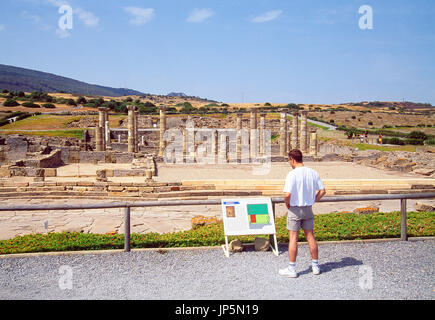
x: 377, y: 270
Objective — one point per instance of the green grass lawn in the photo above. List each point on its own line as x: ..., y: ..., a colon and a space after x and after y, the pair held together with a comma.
x: 364, y: 146
x: 73, y: 133
x: 333, y: 226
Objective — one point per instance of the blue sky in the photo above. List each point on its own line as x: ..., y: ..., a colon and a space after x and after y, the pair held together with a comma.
x: 277, y: 51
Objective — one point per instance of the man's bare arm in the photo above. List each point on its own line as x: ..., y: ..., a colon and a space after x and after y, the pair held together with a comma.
x: 320, y: 194
x: 287, y: 199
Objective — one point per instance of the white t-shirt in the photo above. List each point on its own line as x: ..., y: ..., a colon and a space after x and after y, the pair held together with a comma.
x: 302, y: 183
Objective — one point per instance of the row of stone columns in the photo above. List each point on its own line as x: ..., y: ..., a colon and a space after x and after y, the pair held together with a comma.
x: 298, y: 139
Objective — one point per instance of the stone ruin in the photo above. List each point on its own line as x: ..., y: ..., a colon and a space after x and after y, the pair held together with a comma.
x: 144, y: 148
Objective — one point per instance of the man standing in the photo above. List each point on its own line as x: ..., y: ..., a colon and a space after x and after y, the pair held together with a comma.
x: 303, y: 187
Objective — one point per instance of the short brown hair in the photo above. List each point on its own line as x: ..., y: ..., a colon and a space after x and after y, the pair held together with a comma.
x: 295, y: 154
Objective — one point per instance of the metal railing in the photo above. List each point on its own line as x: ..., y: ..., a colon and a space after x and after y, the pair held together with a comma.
x: 128, y: 205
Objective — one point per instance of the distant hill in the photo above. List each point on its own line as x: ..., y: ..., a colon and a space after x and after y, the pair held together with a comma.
x: 20, y: 79
x: 176, y: 94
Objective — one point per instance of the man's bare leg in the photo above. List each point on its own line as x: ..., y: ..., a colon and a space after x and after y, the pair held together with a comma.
x: 314, y: 250
x: 312, y: 243
x: 293, y: 246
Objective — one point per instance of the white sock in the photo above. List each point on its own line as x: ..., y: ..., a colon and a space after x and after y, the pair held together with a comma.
x: 292, y: 265
x: 315, y: 262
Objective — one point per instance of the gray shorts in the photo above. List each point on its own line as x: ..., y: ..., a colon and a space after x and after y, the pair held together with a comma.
x: 300, y: 217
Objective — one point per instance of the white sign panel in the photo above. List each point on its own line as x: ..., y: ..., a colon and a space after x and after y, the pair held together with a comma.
x: 248, y: 216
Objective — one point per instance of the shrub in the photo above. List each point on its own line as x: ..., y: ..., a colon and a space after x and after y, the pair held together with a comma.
x: 71, y: 102
x: 417, y: 135
x: 353, y: 117
x: 187, y: 108
x: 331, y: 121
x: 81, y: 100
x: 415, y: 142
x: 393, y: 140
x: 370, y: 123
x: 10, y: 103
x: 41, y: 96
x: 430, y: 142
x: 147, y: 110
x: 48, y: 106
x: 30, y: 104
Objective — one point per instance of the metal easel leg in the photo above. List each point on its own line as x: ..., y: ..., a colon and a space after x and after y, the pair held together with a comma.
x: 274, y: 248
x: 225, y: 248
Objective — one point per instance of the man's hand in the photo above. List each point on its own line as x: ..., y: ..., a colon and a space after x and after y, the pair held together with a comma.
x: 320, y: 194
x: 287, y: 199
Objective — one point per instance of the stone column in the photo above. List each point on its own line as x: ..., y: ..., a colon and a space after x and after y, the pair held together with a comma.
x: 222, y: 150
x: 294, y: 138
x: 106, y: 128
x: 136, y: 130
x: 130, y: 138
x: 283, y: 135
x: 239, y: 135
x: 162, y: 144
x: 184, y: 144
x: 215, y: 146
x: 98, y: 138
x: 262, y: 128
x: 304, y: 132
x: 253, y: 140
x: 100, y: 132
x: 313, y: 144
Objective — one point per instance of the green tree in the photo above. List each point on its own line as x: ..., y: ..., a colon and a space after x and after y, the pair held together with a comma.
x: 81, y: 100
x: 11, y: 103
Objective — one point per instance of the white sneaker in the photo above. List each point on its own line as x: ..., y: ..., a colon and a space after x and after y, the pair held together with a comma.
x: 316, y: 269
x: 288, y: 272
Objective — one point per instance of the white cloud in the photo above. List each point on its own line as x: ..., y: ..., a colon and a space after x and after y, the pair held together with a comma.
x: 88, y: 18
x: 56, y: 3
x: 199, y: 15
x: 140, y: 15
x: 36, y: 20
x: 267, y: 16
x: 62, y: 33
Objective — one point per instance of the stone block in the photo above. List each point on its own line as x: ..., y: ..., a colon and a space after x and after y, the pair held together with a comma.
x: 85, y: 183
x: 422, y: 186
x: 115, y: 188
x: 109, y: 172
x: 5, y: 172
x: 235, y: 246
x: 261, y: 244
x: 423, y: 207
x: 50, y: 172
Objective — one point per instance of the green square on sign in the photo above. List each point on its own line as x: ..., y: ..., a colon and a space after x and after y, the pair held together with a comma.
x: 260, y: 208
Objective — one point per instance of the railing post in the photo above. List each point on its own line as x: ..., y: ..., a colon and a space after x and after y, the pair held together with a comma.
x: 403, y: 227
x: 127, y: 230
